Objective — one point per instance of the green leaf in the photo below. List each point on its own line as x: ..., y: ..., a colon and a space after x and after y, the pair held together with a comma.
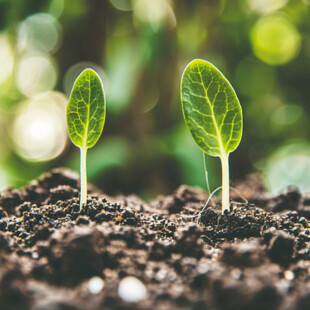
x: 211, y: 108
x: 86, y: 110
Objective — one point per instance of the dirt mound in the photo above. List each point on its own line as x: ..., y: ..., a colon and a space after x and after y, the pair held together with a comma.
x: 55, y: 256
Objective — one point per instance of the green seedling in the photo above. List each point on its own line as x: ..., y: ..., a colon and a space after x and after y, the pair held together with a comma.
x: 213, y: 114
x: 86, y: 112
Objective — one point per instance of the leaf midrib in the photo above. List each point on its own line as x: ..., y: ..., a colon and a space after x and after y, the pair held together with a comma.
x: 88, y: 113
x: 212, y: 114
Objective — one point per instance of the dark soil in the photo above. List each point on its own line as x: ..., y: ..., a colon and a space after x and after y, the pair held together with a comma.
x: 255, y: 257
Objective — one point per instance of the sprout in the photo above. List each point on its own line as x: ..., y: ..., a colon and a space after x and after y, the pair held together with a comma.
x: 86, y: 112
x: 213, y: 114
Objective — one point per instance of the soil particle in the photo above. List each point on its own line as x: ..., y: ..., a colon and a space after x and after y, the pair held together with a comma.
x: 180, y: 198
x: 241, y: 255
x: 9, y: 198
x: 13, y: 289
x: 71, y: 249
x: 281, y: 247
x: 61, y: 192
x: 4, y: 244
x: 290, y: 200
x: 304, y: 208
x: 250, y: 258
x: 235, y: 296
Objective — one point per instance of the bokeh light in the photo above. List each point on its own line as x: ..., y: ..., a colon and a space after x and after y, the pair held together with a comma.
x: 191, y: 29
x: 289, y: 165
x: 156, y: 14
x: 35, y: 74
x: 56, y: 7
x: 122, y: 5
x: 275, y: 40
x: 124, y: 69
x: 39, y: 130
x: 6, y: 58
x: 140, y: 49
x: 266, y: 6
x: 287, y: 114
x: 39, y: 32
x: 73, y: 72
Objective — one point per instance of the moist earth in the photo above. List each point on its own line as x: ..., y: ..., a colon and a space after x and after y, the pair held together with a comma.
x: 54, y: 256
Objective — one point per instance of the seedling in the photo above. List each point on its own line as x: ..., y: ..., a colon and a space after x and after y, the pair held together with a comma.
x: 86, y: 112
x: 213, y: 114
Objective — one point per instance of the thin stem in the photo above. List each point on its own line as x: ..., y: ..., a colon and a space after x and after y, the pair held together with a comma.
x: 204, y: 208
x: 83, y: 178
x: 206, y: 172
x: 209, y: 199
x: 225, y: 183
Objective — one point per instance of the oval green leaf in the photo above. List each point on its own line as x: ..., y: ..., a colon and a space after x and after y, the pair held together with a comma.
x: 211, y: 108
x: 86, y: 110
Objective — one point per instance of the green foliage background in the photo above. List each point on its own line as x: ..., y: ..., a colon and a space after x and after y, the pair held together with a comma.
x: 141, y: 48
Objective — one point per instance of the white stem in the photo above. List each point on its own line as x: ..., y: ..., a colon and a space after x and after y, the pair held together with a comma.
x: 83, y: 178
x: 225, y: 183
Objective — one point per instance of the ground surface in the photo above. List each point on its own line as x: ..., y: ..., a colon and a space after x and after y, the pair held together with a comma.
x: 55, y: 257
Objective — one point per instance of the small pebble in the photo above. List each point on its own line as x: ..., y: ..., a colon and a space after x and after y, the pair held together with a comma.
x: 95, y: 285
x: 289, y: 275
x: 35, y: 255
x: 131, y: 289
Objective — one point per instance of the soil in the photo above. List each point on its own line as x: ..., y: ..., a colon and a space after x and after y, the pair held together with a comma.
x: 55, y: 257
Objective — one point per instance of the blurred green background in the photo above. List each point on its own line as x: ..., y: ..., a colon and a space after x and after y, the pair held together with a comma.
x: 140, y: 48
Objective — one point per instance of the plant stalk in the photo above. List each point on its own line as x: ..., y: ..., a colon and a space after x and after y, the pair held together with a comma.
x: 83, y: 177
x: 225, y: 183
